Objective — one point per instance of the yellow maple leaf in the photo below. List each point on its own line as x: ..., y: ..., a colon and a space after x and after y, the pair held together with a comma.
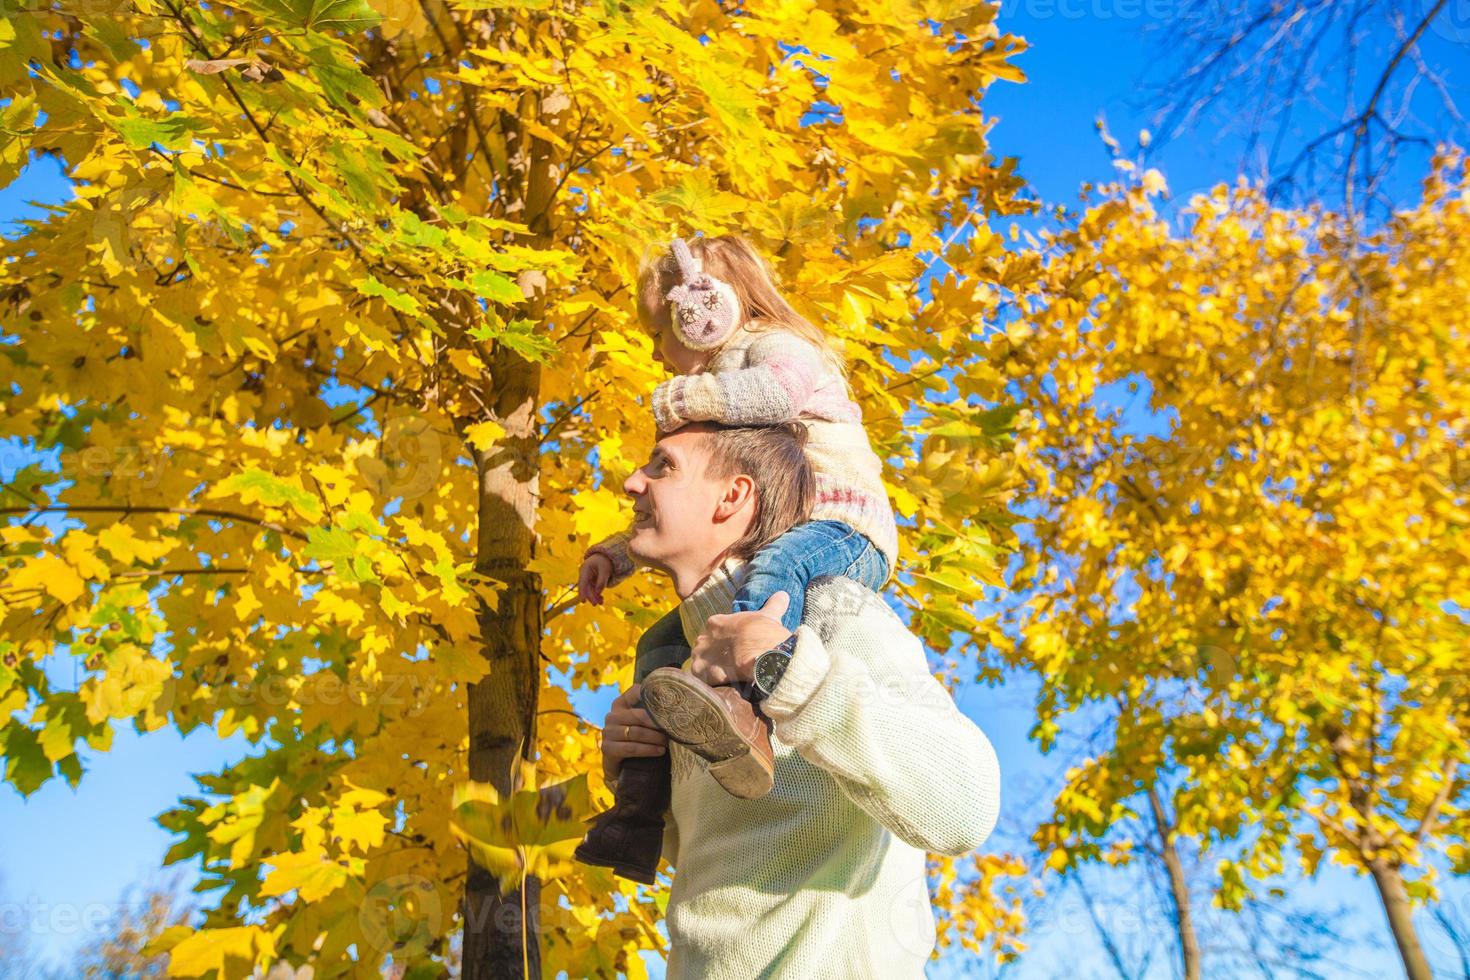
x: 227, y: 952
x: 49, y: 574
x: 598, y: 513
x: 312, y: 875
x: 483, y: 435
x: 121, y: 542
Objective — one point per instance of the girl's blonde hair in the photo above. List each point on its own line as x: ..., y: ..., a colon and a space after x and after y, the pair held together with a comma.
x: 734, y: 260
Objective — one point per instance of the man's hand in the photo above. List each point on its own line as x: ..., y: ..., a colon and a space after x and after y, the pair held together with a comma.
x: 727, y: 650
x: 628, y: 731
x: 595, y: 574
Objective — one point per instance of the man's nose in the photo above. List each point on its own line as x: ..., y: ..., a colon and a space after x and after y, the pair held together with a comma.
x: 634, y: 484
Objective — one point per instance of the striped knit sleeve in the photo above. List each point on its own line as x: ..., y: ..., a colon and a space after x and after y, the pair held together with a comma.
x: 781, y: 372
x: 615, y: 549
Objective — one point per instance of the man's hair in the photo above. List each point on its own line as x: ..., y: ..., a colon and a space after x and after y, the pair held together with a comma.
x: 774, y: 457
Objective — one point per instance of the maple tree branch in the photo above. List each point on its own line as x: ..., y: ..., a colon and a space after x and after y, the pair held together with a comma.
x: 20, y: 493
x: 58, y: 277
x: 403, y: 396
x: 1137, y: 494
x: 1431, y: 815
x: 576, y: 331
x: 1276, y: 52
x: 563, y: 711
x: 198, y: 44
x: 128, y: 509
x: 1462, y: 946
x: 1352, y: 837
x: 152, y: 572
x: 159, y: 572
x: 572, y: 166
x: 913, y: 378
x: 557, y: 609
x: 471, y: 105
x: 561, y: 420
x: 220, y: 180
x: 359, y: 409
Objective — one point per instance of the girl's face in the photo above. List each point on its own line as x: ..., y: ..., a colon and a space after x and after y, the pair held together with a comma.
x: 674, y: 355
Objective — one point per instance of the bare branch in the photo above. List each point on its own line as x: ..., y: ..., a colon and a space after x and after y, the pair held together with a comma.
x: 125, y: 510
x: 1262, y: 62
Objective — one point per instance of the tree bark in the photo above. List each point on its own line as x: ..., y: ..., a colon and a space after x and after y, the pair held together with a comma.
x: 1390, y: 882
x: 499, y: 941
x: 1178, y: 887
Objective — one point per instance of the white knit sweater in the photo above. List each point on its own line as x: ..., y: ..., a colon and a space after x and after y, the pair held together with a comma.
x: 875, y: 765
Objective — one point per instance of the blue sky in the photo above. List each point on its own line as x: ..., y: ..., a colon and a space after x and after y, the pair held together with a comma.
x: 65, y: 853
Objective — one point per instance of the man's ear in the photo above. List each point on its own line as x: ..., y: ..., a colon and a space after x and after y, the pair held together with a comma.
x: 739, y: 494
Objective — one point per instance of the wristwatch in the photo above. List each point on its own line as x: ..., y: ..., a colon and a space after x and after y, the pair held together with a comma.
x: 771, y: 665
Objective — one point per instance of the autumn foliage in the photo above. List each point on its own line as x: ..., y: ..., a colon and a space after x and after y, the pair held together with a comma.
x: 1263, y: 585
x: 329, y: 372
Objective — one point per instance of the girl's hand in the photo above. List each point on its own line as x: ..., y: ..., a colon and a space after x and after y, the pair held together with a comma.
x: 596, y: 573
x: 628, y: 731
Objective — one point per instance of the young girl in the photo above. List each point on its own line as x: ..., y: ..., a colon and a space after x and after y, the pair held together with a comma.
x: 746, y: 357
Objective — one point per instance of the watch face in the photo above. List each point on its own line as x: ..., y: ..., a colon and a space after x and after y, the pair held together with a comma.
x: 768, y: 670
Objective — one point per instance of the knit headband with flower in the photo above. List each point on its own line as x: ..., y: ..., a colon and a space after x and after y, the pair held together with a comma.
x: 705, y: 309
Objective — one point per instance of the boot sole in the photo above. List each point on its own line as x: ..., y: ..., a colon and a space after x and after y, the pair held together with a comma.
x: 690, y: 715
x: 622, y: 871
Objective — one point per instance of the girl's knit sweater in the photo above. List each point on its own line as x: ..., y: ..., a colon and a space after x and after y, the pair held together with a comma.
x: 770, y: 376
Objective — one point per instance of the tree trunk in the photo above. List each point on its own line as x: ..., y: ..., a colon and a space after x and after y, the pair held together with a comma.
x: 1178, y: 887
x: 1390, y: 882
x: 499, y: 941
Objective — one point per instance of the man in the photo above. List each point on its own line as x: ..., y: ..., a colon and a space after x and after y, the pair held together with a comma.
x: 873, y: 764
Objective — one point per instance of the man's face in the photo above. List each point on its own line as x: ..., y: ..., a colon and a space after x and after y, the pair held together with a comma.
x: 676, y: 507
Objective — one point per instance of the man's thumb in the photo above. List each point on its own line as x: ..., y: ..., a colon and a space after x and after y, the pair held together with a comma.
x: 777, y: 605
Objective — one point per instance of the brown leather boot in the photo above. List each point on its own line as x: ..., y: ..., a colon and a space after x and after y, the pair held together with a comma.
x: 718, y: 724
x: 629, y: 838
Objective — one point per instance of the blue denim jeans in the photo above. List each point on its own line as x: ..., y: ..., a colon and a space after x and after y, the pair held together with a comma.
x: 803, y: 553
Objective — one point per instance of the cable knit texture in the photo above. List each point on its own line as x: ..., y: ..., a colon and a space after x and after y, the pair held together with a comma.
x: 764, y: 377
x: 875, y: 765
